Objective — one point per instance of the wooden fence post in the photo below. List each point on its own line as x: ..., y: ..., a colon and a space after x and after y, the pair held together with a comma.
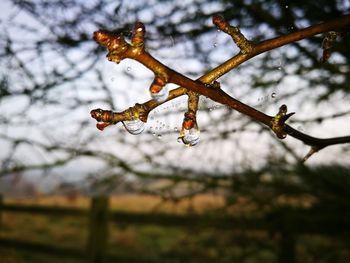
x: 286, y: 253
x: 98, y: 230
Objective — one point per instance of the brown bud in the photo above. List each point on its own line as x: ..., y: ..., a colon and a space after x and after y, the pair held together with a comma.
x: 102, y: 115
x: 220, y: 22
x: 102, y: 37
x: 96, y: 113
x: 138, y: 34
x: 109, y: 40
x: 283, y: 109
x: 157, y: 84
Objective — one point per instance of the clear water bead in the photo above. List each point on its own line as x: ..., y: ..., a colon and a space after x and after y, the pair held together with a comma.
x: 190, y: 137
x: 134, y: 127
x: 273, y: 95
x: 160, y: 96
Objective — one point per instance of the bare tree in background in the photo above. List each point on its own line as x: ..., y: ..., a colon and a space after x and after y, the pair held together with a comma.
x: 53, y: 74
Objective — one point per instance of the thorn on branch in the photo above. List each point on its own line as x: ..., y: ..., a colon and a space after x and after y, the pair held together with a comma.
x: 313, y: 150
x: 277, y: 122
x: 327, y: 45
x: 243, y: 44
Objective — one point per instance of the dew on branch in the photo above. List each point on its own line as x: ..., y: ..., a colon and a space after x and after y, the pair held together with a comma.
x: 160, y: 95
x: 134, y: 127
x: 190, y: 137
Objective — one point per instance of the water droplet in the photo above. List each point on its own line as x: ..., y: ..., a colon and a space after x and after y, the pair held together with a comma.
x: 190, y: 137
x: 287, y: 6
x: 176, y: 129
x: 160, y: 96
x: 215, y: 44
x: 128, y: 68
x: 159, y: 136
x: 279, y: 68
x: 134, y: 127
x: 179, y: 140
x: 273, y: 95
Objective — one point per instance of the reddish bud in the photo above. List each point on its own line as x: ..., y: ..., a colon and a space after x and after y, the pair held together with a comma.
x: 102, y: 125
x: 157, y: 84
x: 102, y: 115
x: 220, y: 22
x: 187, y: 124
x: 155, y: 88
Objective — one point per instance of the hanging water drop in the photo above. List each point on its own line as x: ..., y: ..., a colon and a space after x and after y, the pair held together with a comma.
x: 161, y: 95
x: 215, y: 44
x: 128, y: 68
x: 159, y: 136
x: 134, y: 127
x: 190, y: 137
x: 273, y: 95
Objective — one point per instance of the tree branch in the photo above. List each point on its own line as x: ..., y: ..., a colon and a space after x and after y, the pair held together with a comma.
x: 206, y: 85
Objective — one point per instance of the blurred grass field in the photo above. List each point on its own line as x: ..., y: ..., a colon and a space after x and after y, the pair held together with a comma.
x: 168, y: 244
